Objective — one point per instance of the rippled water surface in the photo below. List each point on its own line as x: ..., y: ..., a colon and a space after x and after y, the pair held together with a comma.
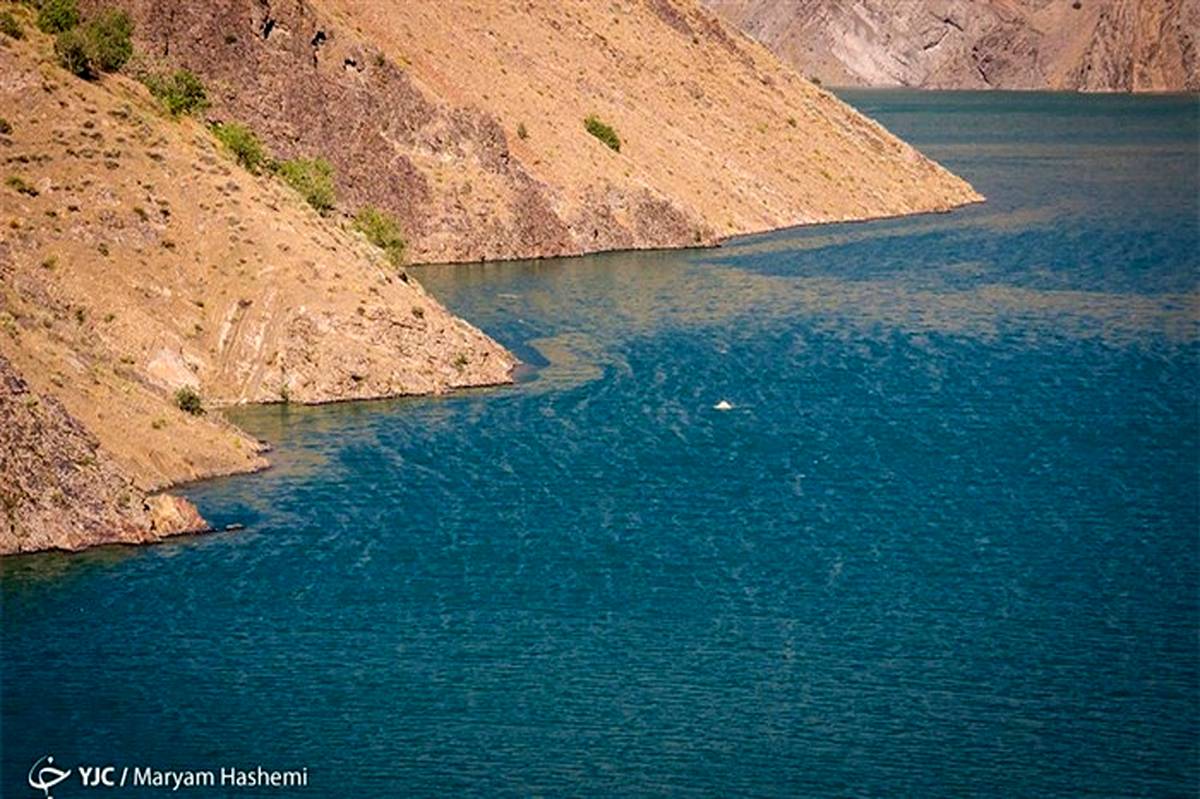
x: 946, y: 542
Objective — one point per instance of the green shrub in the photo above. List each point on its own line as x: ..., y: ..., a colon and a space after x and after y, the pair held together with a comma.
x: 103, y: 45
x: 243, y: 144
x: 109, y: 40
x: 18, y: 184
x: 10, y: 27
x: 71, y: 47
x: 187, y: 399
x: 181, y: 92
x: 383, y: 231
x: 57, y: 16
x: 313, y: 178
x: 603, y: 132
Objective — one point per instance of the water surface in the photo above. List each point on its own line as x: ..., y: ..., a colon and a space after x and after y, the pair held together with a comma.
x: 945, y: 544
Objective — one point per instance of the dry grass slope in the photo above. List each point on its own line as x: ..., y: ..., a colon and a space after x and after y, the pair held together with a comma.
x: 137, y: 258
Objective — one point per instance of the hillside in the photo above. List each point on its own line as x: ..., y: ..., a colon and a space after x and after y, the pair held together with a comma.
x: 61, y: 491
x: 137, y: 258
x: 1090, y: 45
x: 466, y: 120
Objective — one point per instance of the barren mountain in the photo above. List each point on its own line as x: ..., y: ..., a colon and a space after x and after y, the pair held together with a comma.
x: 466, y: 119
x: 137, y: 259
x: 1088, y: 45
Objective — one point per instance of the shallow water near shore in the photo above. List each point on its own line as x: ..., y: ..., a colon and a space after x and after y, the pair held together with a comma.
x: 945, y: 542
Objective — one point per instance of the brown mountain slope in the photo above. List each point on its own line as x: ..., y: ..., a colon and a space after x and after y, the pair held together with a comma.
x: 137, y: 258
x: 1090, y: 45
x: 59, y: 490
x: 465, y: 118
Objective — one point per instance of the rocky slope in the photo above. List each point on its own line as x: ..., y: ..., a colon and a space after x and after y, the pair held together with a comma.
x: 61, y: 491
x: 1089, y: 45
x: 465, y: 119
x: 136, y: 258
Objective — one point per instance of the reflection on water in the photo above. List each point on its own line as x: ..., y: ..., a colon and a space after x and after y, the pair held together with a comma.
x: 944, y: 544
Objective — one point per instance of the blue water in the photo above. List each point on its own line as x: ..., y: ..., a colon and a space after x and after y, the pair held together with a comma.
x: 946, y: 543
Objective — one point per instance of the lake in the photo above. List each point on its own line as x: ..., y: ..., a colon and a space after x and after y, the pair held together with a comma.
x: 946, y: 542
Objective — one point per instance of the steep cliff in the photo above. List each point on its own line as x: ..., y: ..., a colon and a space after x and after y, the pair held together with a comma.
x: 466, y: 120
x: 1089, y: 45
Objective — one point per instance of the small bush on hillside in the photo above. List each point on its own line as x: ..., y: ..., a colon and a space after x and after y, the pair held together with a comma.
x: 109, y: 37
x: 103, y: 45
x: 187, y: 399
x: 57, y: 16
x: 5, y: 126
x: 18, y: 184
x: 313, y: 178
x: 383, y: 231
x: 181, y: 92
x: 71, y: 47
x: 522, y: 131
x: 10, y: 27
x: 243, y: 144
x: 603, y: 132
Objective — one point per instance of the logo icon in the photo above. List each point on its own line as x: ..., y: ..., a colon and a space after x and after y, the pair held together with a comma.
x: 45, y: 777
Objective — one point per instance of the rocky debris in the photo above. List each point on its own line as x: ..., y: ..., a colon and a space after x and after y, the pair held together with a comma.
x: 60, y: 490
x: 1089, y: 45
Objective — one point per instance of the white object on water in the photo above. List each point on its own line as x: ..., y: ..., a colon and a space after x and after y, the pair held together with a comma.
x: 723, y: 405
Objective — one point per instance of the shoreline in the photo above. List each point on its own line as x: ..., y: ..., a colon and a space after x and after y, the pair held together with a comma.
x: 262, y: 463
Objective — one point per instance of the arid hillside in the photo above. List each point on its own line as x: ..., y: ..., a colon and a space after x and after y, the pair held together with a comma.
x: 466, y: 119
x: 138, y: 259
x: 1088, y: 45
x: 61, y: 491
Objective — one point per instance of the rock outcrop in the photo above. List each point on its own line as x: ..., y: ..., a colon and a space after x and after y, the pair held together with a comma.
x: 60, y: 490
x: 466, y: 120
x: 1088, y: 45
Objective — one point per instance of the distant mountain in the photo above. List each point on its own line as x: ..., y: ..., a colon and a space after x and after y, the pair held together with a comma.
x: 1081, y: 45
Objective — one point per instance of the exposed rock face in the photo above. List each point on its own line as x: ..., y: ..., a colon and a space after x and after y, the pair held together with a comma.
x: 60, y: 490
x: 1090, y: 45
x: 136, y: 258
x: 465, y: 119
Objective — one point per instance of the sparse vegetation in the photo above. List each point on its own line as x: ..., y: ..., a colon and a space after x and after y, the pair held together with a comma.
x: 246, y: 148
x: 181, y: 92
x: 603, y: 131
x: 461, y: 361
x: 382, y: 230
x: 10, y: 27
x: 313, y: 178
x: 188, y: 400
x: 57, y: 16
x: 522, y: 132
x: 18, y: 184
x: 5, y: 126
x: 814, y: 80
